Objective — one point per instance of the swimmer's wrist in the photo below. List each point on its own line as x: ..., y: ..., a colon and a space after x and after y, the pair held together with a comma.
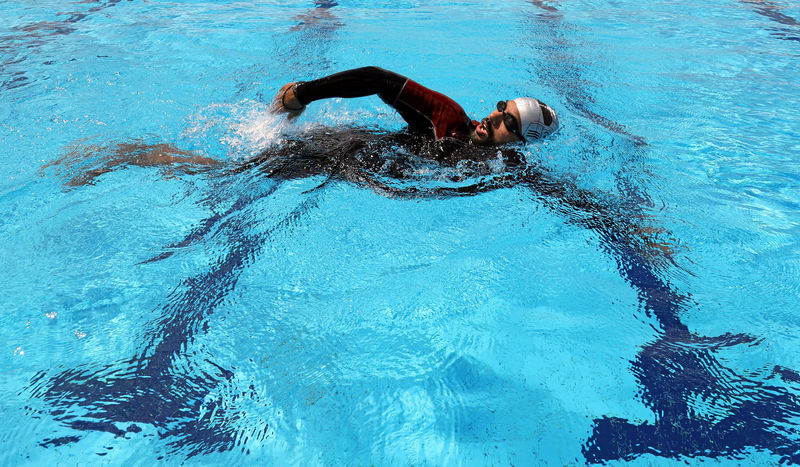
x: 293, y: 97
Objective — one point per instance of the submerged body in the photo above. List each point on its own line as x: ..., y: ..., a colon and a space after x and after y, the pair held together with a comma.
x: 358, y: 154
x: 365, y: 157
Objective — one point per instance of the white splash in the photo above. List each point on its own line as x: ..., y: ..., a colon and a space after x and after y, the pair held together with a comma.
x: 239, y: 130
x: 258, y: 129
x: 243, y: 129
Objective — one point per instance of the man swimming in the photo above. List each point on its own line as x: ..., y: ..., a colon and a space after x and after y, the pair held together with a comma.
x: 353, y: 153
x: 426, y: 111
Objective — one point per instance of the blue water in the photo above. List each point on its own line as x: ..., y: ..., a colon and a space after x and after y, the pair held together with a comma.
x: 636, y: 304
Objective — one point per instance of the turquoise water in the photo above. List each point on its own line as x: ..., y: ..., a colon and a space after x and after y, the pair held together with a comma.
x: 638, y: 303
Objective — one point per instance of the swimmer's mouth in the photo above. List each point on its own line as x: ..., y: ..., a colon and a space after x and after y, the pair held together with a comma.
x: 485, y: 127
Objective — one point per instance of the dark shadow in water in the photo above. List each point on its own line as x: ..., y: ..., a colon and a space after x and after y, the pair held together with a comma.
x: 679, y: 371
x: 565, y: 68
x: 163, y: 388
x: 790, y: 29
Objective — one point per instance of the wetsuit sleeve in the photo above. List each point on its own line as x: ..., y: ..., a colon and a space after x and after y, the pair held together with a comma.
x: 422, y: 108
x: 359, y: 82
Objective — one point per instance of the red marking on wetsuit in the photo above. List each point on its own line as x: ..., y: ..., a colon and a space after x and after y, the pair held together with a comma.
x: 446, y: 117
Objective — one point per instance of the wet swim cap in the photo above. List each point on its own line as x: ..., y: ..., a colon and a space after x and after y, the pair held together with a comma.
x: 537, y: 119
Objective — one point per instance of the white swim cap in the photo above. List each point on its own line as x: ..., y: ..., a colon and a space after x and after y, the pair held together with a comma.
x: 537, y: 119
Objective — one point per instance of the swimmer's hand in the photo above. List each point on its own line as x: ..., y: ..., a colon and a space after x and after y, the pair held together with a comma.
x: 286, y: 102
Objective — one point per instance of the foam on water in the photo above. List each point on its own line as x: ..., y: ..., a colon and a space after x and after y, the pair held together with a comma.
x: 238, y: 130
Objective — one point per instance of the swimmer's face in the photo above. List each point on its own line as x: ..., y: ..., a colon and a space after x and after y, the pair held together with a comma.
x: 498, y: 127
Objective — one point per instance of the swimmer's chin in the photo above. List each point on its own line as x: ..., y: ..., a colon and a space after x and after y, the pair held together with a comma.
x: 479, y: 140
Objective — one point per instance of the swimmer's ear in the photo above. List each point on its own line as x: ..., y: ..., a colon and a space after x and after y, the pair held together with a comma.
x: 286, y: 102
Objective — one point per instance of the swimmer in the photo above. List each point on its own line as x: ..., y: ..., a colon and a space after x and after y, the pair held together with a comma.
x: 431, y: 116
x: 426, y: 111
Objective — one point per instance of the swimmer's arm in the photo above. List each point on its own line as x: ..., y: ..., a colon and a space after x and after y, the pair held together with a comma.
x: 418, y: 105
x: 359, y: 82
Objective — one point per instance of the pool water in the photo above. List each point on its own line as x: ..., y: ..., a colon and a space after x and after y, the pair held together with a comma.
x: 637, y: 303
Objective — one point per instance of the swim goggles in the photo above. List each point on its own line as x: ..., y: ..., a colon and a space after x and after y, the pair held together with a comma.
x: 510, y: 121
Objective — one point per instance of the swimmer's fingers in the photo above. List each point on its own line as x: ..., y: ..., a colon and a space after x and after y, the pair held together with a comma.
x: 286, y: 102
x: 277, y: 101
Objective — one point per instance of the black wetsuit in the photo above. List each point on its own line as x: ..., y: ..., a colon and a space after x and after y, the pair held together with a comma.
x: 423, y: 109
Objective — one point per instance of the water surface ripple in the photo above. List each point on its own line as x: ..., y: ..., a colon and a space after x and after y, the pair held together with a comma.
x: 326, y: 292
